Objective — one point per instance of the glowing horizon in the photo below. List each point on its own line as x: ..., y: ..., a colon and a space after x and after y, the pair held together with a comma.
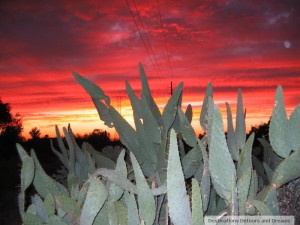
x: 249, y: 45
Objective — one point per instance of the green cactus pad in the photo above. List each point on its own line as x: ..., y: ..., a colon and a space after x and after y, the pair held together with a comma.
x: 55, y: 220
x: 27, y: 175
x: 270, y: 157
x: 186, y: 130
x: 43, y: 183
x: 147, y: 93
x: 122, y: 213
x: 96, y: 197
x: 192, y: 161
x: 287, y: 170
x: 262, y: 208
x: 151, y: 127
x: 62, y: 146
x: 197, y: 211
x: 115, y: 191
x: 27, y: 172
x: 294, y: 129
x: 278, y: 126
x: 189, y: 113
x: 240, y: 128
x: 221, y: 166
x: 21, y: 151
x: 126, y: 132
x: 253, y: 185
x: 103, y: 113
x: 83, y: 192
x: 112, y: 213
x: 231, y: 138
x: 204, y: 110
x: 145, y: 198
x: 269, y: 171
x: 102, y: 216
x: 100, y: 160
x: 178, y: 200
x: 72, y: 181
x: 245, y: 158
x: 117, y: 178
x: 134, y: 100
x: 145, y: 143
x: 171, y: 107
x: 30, y: 219
x: 40, y: 208
x: 31, y: 209
x: 268, y: 195
x: 243, y: 185
x: 212, y: 206
x: 133, y: 214
x: 68, y: 205
x: 74, y: 192
x: 49, y: 205
x: 92, y: 89
x: 205, y: 177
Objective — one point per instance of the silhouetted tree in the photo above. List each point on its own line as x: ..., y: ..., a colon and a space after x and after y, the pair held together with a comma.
x: 35, y: 133
x: 261, y: 131
x: 97, y: 138
x: 10, y: 129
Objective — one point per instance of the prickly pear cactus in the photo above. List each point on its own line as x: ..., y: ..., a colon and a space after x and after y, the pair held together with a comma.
x: 164, y: 158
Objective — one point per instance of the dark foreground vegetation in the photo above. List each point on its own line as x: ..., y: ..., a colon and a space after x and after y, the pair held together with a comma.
x: 10, y: 168
x: 10, y: 171
x: 10, y: 164
x: 11, y: 133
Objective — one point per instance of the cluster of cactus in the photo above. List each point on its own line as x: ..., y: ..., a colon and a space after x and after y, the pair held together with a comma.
x: 165, y: 156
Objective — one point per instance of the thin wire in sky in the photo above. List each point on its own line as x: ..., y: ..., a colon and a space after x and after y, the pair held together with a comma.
x: 150, y: 52
x: 146, y: 34
x: 164, y: 38
x: 135, y: 22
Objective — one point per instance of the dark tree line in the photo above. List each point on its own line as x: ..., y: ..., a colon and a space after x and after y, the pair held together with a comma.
x: 11, y: 128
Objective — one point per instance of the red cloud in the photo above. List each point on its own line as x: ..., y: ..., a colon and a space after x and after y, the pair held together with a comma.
x: 233, y: 44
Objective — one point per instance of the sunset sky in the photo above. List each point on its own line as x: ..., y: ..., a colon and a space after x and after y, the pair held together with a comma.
x: 253, y: 45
